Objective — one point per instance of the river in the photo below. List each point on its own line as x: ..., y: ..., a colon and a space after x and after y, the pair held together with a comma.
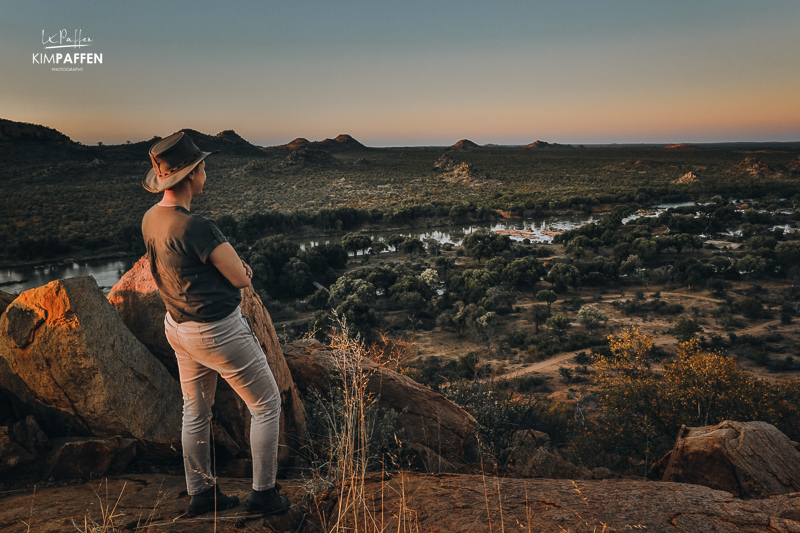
x: 108, y: 271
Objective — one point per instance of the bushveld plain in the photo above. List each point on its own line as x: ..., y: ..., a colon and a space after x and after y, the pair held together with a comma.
x: 523, y: 334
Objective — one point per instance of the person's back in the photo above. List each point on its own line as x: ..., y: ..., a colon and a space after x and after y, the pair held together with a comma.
x: 178, y: 245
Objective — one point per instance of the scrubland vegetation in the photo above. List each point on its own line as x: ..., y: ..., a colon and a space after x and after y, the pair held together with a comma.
x: 687, y: 317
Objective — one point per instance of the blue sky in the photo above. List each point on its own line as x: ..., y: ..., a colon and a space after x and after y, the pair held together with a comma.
x: 412, y: 72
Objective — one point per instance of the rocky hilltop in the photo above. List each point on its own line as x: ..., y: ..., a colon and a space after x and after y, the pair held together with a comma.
x: 89, y: 391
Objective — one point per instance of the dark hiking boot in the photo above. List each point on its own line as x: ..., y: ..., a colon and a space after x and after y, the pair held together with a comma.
x: 267, y: 501
x: 210, y: 500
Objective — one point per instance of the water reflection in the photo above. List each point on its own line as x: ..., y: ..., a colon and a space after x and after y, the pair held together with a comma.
x: 108, y: 272
x: 105, y: 272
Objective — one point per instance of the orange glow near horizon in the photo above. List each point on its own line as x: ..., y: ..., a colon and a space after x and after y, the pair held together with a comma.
x: 422, y: 74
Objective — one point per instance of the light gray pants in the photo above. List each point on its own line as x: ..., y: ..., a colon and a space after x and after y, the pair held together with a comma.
x: 227, y: 347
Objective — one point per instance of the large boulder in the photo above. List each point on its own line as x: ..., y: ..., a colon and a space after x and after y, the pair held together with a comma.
x: 11, y: 453
x: 139, y: 304
x: 531, y: 454
x: 5, y: 300
x: 67, y: 356
x: 425, y: 417
x: 88, y: 457
x: 137, y: 300
x: 747, y: 459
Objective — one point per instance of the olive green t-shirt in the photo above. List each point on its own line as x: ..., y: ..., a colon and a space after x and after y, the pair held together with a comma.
x: 179, y: 244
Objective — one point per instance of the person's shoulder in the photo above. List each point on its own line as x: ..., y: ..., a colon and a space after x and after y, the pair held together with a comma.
x: 196, y: 219
x: 151, y: 214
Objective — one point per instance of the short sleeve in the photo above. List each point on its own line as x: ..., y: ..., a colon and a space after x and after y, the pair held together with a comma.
x: 207, y: 237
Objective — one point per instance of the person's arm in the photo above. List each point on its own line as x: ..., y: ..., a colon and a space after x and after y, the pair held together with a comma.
x: 227, y: 261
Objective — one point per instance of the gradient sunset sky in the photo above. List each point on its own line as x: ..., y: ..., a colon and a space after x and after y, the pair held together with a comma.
x: 412, y: 72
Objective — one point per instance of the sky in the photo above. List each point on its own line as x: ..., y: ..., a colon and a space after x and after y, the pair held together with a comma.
x: 411, y: 72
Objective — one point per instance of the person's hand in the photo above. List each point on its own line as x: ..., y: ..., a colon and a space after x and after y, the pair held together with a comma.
x: 247, y: 270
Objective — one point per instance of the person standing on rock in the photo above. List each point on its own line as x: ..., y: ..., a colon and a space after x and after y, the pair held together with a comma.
x: 200, y: 275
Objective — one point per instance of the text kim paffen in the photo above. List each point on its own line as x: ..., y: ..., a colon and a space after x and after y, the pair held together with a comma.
x: 77, y: 58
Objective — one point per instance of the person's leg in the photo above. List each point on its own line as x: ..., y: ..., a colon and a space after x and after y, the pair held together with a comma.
x: 198, y: 384
x: 239, y: 359
x: 230, y: 348
x: 255, y: 385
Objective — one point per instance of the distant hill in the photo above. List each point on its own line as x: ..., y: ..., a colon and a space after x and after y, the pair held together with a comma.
x: 543, y: 144
x: 681, y: 146
x: 341, y: 143
x: 465, y: 144
x: 227, y: 141
x: 22, y: 131
x: 300, y: 142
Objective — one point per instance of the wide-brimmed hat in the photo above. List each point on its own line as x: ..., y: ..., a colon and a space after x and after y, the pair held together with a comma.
x: 173, y: 159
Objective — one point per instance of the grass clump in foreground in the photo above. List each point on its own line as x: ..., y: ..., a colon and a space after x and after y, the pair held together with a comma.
x: 351, y: 436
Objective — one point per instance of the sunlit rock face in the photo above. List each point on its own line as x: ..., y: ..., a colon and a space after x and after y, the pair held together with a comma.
x: 69, y: 358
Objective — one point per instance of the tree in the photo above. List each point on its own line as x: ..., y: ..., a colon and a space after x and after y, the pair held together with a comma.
x: 484, y: 325
x: 787, y: 253
x: 296, y: 277
x: 690, y: 271
x: 685, y: 329
x: 356, y: 242
x: 522, y: 272
x: 411, y: 245
x: 642, y: 412
x: 345, y: 287
x: 751, y: 265
x: 631, y: 265
x: 558, y: 324
x: 484, y: 243
x: 539, y: 314
x: 578, y: 245
x: 465, y: 316
x: 547, y: 296
x: 561, y: 275
x: 472, y: 284
x: 395, y: 241
x: 496, y: 298
x: 645, y: 248
x: 591, y: 317
x: 275, y: 250
x: 433, y: 247
x: 750, y: 308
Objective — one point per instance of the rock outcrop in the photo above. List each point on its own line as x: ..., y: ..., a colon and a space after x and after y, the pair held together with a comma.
x: 757, y: 168
x: 687, y: 179
x: 416, y: 502
x: 426, y: 418
x: 469, y: 503
x: 12, y: 454
x: 5, y: 300
x: 88, y: 457
x: 532, y: 455
x: 65, y: 353
x: 747, y: 459
x: 136, y: 298
x: 463, y: 173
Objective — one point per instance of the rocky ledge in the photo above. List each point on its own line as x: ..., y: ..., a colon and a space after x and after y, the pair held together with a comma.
x: 415, y: 502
